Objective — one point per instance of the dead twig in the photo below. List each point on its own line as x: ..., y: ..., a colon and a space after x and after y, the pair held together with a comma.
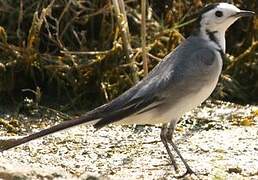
x: 119, y: 9
x: 243, y: 56
x: 8, y: 126
x: 33, y: 37
x: 143, y: 37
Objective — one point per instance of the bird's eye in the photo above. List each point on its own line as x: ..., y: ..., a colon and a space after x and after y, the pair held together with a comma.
x: 219, y: 13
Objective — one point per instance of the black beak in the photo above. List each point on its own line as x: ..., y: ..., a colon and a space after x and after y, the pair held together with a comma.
x: 243, y: 13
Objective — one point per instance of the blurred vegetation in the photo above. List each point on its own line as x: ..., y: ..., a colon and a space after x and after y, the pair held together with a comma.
x: 78, y: 54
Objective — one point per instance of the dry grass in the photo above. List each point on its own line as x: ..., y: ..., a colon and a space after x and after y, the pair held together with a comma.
x: 83, y: 53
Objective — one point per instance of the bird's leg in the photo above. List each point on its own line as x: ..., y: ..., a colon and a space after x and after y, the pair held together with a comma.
x: 169, y: 138
x: 163, y: 137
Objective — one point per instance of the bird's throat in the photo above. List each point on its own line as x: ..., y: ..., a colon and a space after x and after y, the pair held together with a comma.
x: 216, y: 37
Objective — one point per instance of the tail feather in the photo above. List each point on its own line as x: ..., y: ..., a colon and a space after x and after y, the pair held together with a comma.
x: 10, y: 143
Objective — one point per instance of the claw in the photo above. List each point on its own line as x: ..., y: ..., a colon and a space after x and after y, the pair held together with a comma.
x: 189, y: 172
x: 175, y: 166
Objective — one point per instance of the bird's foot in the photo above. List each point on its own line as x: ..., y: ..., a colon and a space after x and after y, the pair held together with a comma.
x: 189, y: 172
x: 175, y: 166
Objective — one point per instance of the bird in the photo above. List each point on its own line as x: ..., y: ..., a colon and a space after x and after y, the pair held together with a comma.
x: 181, y: 81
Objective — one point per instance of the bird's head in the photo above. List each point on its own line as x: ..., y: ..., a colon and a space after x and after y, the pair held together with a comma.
x: 215, y: 19
x: 219, y: 16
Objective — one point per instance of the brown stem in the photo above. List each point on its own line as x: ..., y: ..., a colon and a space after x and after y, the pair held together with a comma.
x: 119, y: 9
x: 143, y: 37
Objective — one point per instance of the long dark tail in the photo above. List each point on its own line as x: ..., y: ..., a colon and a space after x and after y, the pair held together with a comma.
x: 8, y: 144
x: 99, y: 117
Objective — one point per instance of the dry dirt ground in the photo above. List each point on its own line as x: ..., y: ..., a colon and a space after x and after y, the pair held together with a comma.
x: 219, y: 141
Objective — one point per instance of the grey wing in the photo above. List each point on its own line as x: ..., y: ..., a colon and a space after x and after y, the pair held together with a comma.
x: 143, y: 95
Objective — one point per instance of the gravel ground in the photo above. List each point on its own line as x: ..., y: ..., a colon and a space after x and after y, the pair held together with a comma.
x: 219, y: 141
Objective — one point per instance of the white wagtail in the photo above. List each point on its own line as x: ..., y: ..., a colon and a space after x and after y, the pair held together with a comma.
x: 180, y: 82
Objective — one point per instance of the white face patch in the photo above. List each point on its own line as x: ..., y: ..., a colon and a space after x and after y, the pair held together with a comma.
x: 219, y: 18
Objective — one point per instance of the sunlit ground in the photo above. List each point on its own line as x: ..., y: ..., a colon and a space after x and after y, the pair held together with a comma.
x: 219, y: 141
